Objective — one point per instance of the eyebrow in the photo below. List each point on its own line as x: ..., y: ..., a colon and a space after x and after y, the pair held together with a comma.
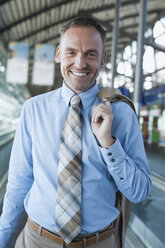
x: 92, y: 51
x: 88, y: 51
x: 70, y: 49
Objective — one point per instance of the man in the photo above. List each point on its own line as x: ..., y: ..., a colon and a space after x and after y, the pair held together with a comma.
x: 111, y: 148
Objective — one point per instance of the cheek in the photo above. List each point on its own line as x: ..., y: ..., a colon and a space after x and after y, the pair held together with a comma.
x: 96, y: 66
x: 66, y: 65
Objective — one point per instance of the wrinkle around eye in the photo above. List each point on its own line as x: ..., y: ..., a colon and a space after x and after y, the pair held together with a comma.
x: 71, y: 53
x: 92, y: 55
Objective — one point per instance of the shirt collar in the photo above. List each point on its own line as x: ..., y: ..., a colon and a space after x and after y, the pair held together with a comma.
x: 86, y: 97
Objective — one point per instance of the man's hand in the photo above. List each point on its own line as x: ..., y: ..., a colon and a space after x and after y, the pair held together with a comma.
x: 102, y: 122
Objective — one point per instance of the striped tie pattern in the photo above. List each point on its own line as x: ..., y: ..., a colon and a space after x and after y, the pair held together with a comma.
x: 68, y: 204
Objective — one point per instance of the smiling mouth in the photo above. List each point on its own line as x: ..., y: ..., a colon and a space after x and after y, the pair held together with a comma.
x: 80, y: 74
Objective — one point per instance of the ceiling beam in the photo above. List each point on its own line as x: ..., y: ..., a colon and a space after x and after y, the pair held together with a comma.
x: 155, y: 11
x: 151, y: 73
x: 2, y: 2
x: 57, y: 5
x: 134, y: 37
x: 93, y: 10
x: 135, y: 25
x: 107, y: 7
x: 46, y: 27
x: 42, y: 10
x: 146, y: 42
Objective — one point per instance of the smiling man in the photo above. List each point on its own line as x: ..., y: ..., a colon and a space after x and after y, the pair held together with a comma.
x: 81, y: 54
x: 72, y: 153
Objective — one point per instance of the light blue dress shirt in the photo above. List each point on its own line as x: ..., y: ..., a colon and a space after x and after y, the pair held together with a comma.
x: 33, y: 170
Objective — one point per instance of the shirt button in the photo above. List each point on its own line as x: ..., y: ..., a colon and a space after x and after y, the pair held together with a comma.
x: 112, y: 160
x: 109, y: 154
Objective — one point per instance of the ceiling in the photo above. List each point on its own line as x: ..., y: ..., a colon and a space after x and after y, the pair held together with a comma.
x: 40, y: 21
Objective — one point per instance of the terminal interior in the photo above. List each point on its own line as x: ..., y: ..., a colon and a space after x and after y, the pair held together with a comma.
x: 135, y: 64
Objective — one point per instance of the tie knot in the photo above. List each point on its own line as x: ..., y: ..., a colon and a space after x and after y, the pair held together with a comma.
x: 75, y: 100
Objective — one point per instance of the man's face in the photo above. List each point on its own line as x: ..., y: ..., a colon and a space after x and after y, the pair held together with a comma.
x: 81, y: 56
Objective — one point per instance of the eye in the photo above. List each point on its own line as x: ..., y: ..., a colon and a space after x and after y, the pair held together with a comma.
x: 91, y: 55
x: 70, y: 53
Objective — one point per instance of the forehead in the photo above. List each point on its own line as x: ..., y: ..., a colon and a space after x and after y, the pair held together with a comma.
x: 82, y: 36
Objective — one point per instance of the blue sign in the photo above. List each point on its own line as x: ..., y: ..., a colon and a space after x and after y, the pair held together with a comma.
x: 155, y: 95
x: 125, y: 91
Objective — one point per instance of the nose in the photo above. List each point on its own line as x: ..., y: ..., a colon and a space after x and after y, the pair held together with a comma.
x: 80, y: 61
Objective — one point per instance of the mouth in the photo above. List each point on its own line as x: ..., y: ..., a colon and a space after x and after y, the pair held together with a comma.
x: 79, y: 74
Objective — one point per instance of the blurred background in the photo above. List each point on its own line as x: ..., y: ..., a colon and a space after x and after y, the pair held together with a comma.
x: 29, y: 35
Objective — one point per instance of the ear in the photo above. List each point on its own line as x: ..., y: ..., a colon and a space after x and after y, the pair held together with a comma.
x: 103, y: 60
x: 57, y: 56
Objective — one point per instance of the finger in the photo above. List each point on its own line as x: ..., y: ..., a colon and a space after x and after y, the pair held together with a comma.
x: 101, y: 114
x: 107, y: 103
x: 101, y: 106
x: 97, y: 116
x: 102, y: 109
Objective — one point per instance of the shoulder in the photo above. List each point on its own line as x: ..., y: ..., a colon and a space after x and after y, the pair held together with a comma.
x: 122, y: 108
x: 122, y: 112
x: 125, y: 123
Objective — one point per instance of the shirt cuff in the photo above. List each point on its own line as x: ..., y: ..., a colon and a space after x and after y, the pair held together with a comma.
x: 114, y: 157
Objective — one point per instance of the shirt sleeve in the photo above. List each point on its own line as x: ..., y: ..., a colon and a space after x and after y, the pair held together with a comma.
x: 20, y: 178
x: 126, y: 160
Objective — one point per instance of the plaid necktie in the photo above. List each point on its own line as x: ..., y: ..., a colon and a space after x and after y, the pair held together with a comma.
x: 68, y: 205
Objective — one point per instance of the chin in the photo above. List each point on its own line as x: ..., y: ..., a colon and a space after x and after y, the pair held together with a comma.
x: 79, y: 89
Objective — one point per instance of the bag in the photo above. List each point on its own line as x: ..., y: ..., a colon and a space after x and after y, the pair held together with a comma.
x: 122, y: 203
x: 114, y: 95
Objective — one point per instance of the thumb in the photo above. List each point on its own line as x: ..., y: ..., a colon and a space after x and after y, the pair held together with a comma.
x: 107, y: 102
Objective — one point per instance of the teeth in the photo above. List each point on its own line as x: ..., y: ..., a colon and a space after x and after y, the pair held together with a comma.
x: 79, y: 74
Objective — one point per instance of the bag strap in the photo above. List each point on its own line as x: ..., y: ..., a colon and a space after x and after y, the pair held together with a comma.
x: 114, y: 95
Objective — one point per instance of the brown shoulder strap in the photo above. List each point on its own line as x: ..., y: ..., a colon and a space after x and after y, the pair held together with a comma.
x: 114, y: 95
